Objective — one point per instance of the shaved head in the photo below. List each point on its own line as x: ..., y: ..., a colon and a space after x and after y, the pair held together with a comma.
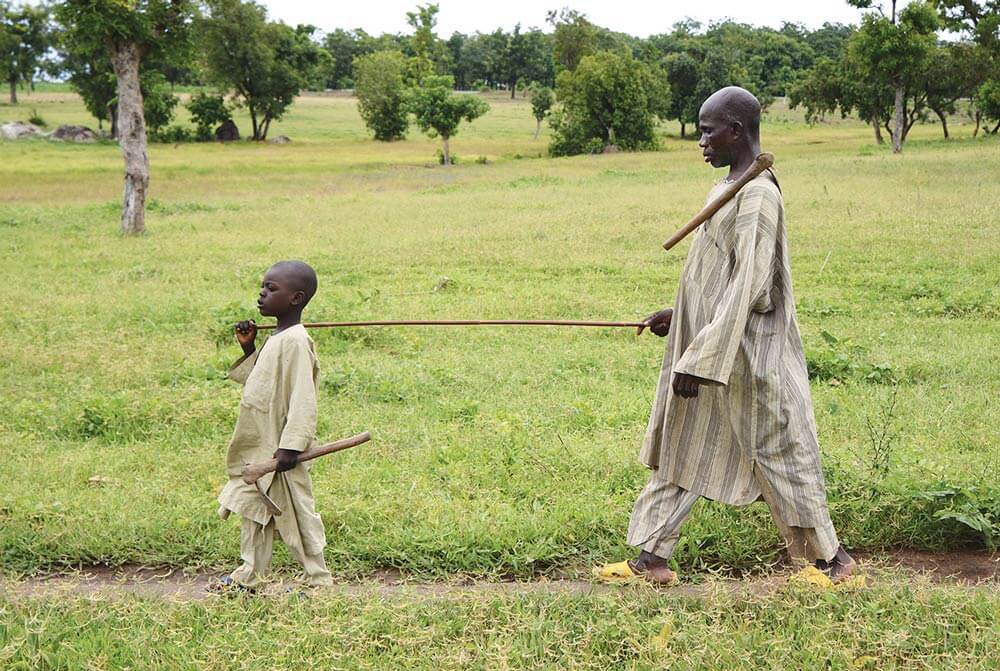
x: 299, y: 276
x: 734, y: 104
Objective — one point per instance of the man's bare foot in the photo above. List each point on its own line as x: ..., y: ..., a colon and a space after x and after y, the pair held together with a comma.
x: 653, y: 568
x: 841, y: 566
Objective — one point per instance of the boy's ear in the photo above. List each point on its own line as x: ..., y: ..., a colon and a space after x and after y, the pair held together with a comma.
x: 298, y: 298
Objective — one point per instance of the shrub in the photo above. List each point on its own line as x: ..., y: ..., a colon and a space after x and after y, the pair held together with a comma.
x: 608, y: 99
x: 207, y: 112
x: 379, y: 86
x: 36, y: 119
x: 173, y: 133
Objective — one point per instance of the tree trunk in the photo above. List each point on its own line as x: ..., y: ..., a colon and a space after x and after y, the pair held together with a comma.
x: 114, y: 121
x: 944, y: 121
x: 253, y: 123
x: 125, y: 60
x: 995, y: 129
x: 447, y: 154
x: 13, y: 91
x: 683, y: 125
x: 538, y: 128
x: 878, y: 131
x: 513, y: 89
x: 897, y: 130
x: 265, y: 126
x: 979, y: 120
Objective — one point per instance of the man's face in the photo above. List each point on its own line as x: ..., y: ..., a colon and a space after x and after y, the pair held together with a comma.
x: 717, y: 138
x: 277, y: 294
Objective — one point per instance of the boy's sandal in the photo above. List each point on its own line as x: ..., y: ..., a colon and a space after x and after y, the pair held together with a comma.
x: 226, y: 585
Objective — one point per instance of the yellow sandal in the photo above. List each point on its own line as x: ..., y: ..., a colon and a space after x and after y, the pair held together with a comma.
x: 615, y: 573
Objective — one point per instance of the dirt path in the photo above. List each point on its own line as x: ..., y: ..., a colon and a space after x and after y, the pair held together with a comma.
x: 961, y: 568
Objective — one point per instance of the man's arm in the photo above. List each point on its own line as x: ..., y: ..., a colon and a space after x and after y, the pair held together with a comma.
x: 710, y: 356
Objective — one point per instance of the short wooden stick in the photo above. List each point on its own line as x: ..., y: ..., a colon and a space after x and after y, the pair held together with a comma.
x: 253, y: 472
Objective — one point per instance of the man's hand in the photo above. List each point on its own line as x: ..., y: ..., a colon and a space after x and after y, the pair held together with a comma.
x: 686, y: 386
x: 287, y: 460
x: 246, y: 335
x: 658, y: 322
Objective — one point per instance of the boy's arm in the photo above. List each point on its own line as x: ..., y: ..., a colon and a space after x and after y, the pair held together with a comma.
x: 246, y: 336
x: 297, y: 365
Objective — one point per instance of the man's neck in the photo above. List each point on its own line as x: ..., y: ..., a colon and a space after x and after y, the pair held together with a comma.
x: 742, y: 160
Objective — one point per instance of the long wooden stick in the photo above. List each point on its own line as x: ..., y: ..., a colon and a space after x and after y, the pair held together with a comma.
x: 464, y: 322
x: 759, y: 165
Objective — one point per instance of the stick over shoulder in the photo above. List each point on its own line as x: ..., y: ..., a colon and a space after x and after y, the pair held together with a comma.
x: 760, y: 164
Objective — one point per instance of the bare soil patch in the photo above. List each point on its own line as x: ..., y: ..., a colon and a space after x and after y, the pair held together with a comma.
x: 968, y: 568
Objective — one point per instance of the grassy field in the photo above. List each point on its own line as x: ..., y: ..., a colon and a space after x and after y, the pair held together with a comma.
x: 497, y: 452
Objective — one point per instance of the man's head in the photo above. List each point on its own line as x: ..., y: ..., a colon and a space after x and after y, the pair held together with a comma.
x: 729, y: 123
x: 287, y: 287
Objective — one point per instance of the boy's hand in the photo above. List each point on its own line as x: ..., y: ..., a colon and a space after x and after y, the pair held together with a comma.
x: 246, y: 334
x: 658, y: 322
x: 287, y: 460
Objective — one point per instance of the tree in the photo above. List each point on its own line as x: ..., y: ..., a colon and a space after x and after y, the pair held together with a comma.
x: 525, y: 57
x: 542, y: 99
x: 263, y: 62
x: 439, y: 111
x: 682, y: 76
x: 988, y: 102
x: 573, y: 37
x: 951, y: 74
x: 25, y: 37
x: 610, y: 99
x: 895, y: 51
x: 381, y: 93
x: 424, y: 42
x: 979, y: 21
x: 91, y: 75
x: 831, y: 85
x: 129, y: 32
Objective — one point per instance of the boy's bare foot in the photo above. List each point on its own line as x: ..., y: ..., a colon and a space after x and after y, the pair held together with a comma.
x: 841, y: 566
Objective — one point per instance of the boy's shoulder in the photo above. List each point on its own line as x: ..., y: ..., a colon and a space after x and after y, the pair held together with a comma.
x: 295, y: 338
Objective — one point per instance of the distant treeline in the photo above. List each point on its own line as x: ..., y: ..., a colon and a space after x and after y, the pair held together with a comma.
x: 892, y: 70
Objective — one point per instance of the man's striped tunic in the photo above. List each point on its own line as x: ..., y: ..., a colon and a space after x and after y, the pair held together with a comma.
x: 734, y: 324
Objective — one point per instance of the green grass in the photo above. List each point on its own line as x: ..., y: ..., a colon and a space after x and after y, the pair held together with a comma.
x: 496, y: 452
x: 888, y: 627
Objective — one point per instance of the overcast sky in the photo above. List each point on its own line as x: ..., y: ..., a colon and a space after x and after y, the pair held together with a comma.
x: 635, y: 17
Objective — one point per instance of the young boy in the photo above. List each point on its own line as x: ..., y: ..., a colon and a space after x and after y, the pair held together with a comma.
x: 277, y: 419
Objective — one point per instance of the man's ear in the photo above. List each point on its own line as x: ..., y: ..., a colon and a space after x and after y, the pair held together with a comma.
x: 737, y: 129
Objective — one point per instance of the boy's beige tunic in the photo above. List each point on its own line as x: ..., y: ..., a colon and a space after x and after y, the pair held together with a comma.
x: 277, y: 410
x: 734, y: 324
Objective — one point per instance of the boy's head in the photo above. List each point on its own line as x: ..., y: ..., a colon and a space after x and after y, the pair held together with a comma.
x: 728, y: 121
x: 286, y: 288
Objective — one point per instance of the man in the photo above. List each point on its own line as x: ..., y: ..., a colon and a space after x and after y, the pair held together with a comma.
x: 732, y: 420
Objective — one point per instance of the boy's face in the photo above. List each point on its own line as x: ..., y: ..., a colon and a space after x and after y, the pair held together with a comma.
x: 278, y: 294
x: 717, y: 138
